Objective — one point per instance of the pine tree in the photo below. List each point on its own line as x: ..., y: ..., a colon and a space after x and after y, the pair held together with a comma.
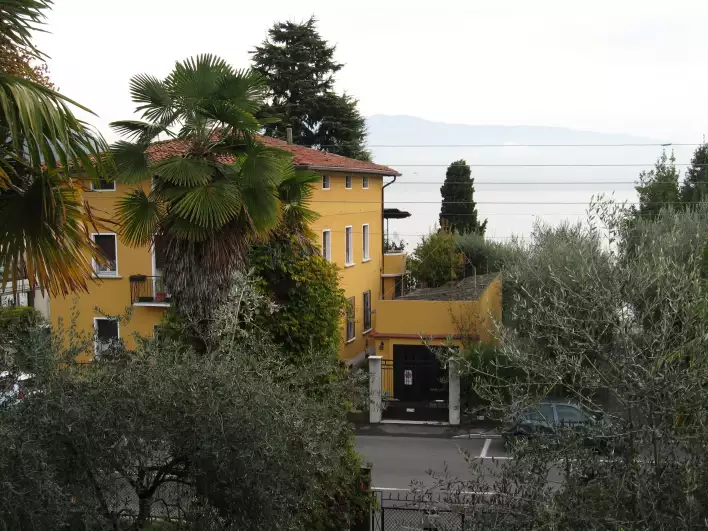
x: 458, y: 212
x: 299, y: 66
x: 695, y: 186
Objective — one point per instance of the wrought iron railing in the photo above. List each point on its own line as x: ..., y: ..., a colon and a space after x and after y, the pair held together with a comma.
x: 147, y: 290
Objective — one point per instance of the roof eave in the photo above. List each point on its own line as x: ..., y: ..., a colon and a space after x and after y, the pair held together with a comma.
x: 388, y: 172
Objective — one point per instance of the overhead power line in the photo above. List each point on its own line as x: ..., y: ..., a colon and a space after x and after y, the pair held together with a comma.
x: 666, y: 144
x: 603, y: 165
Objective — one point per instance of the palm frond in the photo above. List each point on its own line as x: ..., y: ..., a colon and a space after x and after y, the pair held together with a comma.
x: 131, y: 162
x: 19, y: 19
x: 295, y: 193
x: 43, y: 131
x: 44, y: 231
x: 139, y: 217
x: 154, y: 98
x: 211, y: 206
x: 261, y: 166
x: 197, y: 78
x: 138, y: 131
x: 184, y: 171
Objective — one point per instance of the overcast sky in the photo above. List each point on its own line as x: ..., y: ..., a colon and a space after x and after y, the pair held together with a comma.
x: 611, y: 66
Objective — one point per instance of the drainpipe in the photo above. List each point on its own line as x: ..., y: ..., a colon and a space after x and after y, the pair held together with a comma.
x: 383, y: 237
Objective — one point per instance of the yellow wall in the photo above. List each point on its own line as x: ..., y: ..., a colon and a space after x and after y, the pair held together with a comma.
x: 394, y: 263
x: 338, y: 208
x: 424, y: 319
x: 429, y: 318
x: 389, y: 287
x: 111, y: 295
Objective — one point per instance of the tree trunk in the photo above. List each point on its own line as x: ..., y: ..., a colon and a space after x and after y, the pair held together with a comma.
x: 144, y: 507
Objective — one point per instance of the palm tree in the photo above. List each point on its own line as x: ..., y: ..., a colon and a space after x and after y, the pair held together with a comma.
x: 215, y: 189
x: 44, y: 220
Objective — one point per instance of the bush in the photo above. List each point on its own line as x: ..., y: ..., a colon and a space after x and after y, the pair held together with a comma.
x: 230, y: 438
x: 436, y: 260
x: 309, y: 305
x: 482, y: 255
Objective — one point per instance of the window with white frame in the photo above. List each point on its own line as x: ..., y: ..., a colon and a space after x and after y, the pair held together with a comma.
x: 365, y: 182
x: 351, y: 329
x: 348, y: 182
x: 367, y: 311
x: 327, y: 244
x: 325, y: 182
x: 107, y: 265
x: 348, y: 246
x: 365, y: 241
x: 103, y: 185
x: 106, y: 334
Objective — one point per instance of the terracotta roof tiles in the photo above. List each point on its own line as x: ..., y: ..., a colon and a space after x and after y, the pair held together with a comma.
x: 303, y: 157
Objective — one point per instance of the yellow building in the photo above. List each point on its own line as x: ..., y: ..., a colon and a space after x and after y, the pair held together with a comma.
x: 349, y: 200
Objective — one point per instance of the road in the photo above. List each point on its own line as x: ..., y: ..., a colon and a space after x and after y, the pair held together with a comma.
x: 399, y: 460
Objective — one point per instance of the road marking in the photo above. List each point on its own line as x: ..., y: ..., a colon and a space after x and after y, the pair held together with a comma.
x: 485, y: 448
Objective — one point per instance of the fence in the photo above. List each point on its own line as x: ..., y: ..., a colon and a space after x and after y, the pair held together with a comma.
x: 406, y: 511
x: 386, y: 379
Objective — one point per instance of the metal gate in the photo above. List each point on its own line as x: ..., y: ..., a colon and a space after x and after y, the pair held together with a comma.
x: 415, y: 385
x: 404, y: 511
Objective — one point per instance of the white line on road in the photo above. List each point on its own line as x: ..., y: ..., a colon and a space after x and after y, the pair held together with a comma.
x: 485, y: 448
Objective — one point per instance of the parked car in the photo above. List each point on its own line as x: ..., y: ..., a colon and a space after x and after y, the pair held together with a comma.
x: 14, y: 387
x: 545, y: 421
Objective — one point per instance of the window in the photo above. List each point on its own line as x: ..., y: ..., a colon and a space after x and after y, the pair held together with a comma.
x: 103, y: 185
x: 365, y: 182
x: 325, y: 182
x: 570, y: 416
x: 367, y: 311
x: 544, y: 413
x: 351, y: 331
x: 348, y: 244
x: 106, y: 331
x: 365, y: 241
x: 327, y: 244
x: 348, y: 182
x: 108, y: 244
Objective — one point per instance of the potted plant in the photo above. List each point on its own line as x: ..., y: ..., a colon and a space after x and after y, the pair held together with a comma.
x: 160, y: 296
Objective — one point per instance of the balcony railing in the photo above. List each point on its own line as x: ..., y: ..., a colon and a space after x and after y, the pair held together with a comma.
x: 149, y: 291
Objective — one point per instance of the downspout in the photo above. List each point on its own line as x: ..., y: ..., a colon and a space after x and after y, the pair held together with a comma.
x: 383, y: 237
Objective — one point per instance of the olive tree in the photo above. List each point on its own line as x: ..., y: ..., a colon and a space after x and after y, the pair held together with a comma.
x: 610, y: 315
x: 230, y: 439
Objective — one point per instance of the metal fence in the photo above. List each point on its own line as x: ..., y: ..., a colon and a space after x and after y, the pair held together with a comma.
x: 386, y: 379
x: 406, y: 511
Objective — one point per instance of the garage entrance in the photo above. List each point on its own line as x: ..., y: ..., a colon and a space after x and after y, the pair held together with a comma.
x: 420, y: 385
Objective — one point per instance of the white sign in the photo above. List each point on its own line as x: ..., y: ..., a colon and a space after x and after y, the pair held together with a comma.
x: 408, y: 377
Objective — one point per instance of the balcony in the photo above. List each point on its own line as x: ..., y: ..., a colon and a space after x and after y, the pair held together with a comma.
x: 149, y: 291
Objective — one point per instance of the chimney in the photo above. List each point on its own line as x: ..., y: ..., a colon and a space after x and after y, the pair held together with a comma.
x: 289, y: 135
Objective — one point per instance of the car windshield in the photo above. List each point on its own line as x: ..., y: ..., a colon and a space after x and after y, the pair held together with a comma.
x: 542, y: 413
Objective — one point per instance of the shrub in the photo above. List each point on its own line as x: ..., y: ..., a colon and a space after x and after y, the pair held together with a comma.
x: 436, y: 260
x: 309, y: 305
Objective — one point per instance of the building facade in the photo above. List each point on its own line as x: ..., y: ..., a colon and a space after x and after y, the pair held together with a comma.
x: 349, y: 200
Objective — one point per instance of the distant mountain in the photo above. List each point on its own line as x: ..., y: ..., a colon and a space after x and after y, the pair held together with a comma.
x: 423, y: 168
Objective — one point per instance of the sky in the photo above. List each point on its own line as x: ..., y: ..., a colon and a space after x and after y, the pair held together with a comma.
x: 622, y: 66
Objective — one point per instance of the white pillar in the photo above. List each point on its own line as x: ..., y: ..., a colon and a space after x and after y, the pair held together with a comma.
x: 454, y: 390
x: 375, y: 389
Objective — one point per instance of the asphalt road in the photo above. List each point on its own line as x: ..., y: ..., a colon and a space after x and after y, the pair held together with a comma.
x: 399, y: 460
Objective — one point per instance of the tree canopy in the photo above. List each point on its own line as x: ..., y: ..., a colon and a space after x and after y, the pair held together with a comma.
x: 44, y: 222
x: 299, y: 67
x: 230, y: 439
x: 458, y: 212
x: 217, y: 192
